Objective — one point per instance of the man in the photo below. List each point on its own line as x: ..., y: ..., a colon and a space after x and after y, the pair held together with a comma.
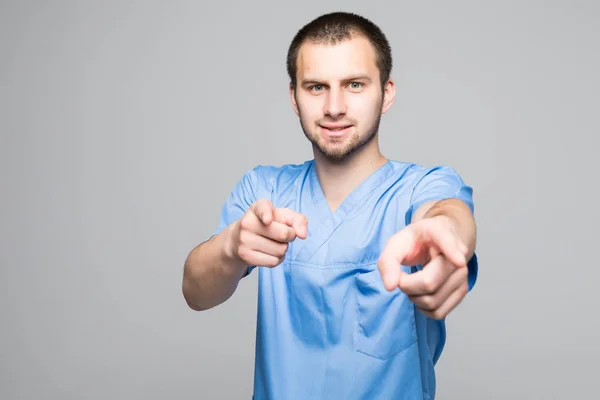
x: 361, y: 258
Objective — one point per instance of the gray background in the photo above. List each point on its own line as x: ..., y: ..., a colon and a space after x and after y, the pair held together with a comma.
x: 125, y: 124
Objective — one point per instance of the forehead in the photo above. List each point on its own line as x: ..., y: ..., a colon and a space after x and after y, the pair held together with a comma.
x: 331, y: 61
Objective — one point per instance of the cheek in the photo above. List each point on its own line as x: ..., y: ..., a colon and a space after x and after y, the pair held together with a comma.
x: 364, y: 108
x: 310, y: 110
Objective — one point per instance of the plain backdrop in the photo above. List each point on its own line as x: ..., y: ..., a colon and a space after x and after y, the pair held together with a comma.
x: 125, y: 124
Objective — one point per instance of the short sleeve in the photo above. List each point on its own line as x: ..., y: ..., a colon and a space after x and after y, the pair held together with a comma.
x: 441, y: 183
x: 239, y: 200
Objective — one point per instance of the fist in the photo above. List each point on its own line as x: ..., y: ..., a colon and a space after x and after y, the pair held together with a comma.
x: 262, y: 235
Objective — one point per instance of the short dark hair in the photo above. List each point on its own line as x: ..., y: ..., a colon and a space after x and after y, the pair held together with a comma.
x: 336, y: 27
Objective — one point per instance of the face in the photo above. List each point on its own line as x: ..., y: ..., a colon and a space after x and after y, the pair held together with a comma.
x: 338, y: 98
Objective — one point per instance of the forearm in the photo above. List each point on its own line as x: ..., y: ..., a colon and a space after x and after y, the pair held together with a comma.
x: 461, y: 216
x: 211, y: 272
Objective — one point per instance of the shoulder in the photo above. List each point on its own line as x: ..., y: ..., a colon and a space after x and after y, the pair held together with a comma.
x: 415, y: 172
x: 278, y: 175
x: 416, y: 177
x: 436, y: 182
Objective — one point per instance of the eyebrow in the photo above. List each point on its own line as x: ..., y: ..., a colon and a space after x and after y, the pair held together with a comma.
x: 349, y: 79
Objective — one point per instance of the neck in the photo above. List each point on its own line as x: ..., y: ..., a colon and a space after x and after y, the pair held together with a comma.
x: 339, y: 179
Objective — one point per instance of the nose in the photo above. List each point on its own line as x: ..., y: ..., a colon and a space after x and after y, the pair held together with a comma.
x: 335, y: 104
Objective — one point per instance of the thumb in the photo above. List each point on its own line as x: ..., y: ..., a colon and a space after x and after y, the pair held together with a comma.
x: 389, y: 270
x: 398, y: 250
x: 300, y: 225
x: 264, y: 210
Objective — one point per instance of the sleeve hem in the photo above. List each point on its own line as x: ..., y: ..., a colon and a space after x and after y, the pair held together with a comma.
x: 473, y: 268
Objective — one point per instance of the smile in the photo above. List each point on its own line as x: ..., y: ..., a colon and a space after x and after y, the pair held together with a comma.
x: 336, y: 131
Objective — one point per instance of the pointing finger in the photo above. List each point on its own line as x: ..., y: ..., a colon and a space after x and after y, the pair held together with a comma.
x: 293, y: 219
x: 279, y: 232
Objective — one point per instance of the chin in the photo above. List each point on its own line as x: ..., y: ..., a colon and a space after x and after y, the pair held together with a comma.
x: 334, y: 153
x: 335, y: 149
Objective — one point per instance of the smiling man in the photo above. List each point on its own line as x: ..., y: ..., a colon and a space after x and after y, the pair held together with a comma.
x: 359, y: 258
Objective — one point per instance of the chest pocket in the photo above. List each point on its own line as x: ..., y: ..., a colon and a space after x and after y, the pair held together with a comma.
x: 385, y: 320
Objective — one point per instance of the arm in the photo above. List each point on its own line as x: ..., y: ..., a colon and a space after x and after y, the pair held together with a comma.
x: 212, y: 272
x: 438, y: 243
x: 213, y: 269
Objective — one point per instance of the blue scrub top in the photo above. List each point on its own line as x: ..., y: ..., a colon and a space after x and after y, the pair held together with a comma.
x: 326, y: 326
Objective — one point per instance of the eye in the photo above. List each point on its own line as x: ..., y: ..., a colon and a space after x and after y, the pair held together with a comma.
x: 356, y: 85
x: 315, y: 88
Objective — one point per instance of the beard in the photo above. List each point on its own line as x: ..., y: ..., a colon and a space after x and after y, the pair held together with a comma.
x: 338, y: 152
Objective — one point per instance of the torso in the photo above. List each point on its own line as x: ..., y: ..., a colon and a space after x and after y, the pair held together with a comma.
x: 327, y: 328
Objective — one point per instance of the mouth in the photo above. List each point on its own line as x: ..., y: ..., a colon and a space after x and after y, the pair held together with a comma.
x: 335, y: 130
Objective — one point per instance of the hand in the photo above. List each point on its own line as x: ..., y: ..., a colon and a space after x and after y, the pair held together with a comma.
x: 435, y: 244
x: 262, y: 235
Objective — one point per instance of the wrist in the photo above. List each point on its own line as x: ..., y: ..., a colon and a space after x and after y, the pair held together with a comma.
x: 443, y: 211
x: 231, y: 259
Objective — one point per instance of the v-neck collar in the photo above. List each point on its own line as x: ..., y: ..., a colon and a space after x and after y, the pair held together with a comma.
x: 324, y: 222
x: 369, y: 184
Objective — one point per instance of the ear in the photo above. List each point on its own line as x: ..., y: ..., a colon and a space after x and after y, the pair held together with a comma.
x: 293, y: 98
x: 389, y: 95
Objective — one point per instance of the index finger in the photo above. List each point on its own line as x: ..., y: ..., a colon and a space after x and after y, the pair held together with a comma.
x: 278, y: 232
x: 294, y: 219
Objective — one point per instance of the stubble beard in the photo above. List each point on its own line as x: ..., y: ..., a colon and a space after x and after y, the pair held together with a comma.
x: 337, y: 154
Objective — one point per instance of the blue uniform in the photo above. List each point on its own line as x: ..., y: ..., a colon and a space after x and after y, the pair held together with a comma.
x: 326, y: 327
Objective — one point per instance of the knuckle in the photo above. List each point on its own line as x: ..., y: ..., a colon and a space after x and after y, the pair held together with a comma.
x: 243, y: 237
x: 437, y: 315
x: 429, y: 303
x: 284, y: 235
x: 282, y: 251
x: 464, y: 289
x: 275, y: 262
x: 445, y: 262
x: 270, y: 264
x: 429, y: 284
x: 246, y: 222
x: 462, y: 274
x: 274, y: 233
x: 243, y: 253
